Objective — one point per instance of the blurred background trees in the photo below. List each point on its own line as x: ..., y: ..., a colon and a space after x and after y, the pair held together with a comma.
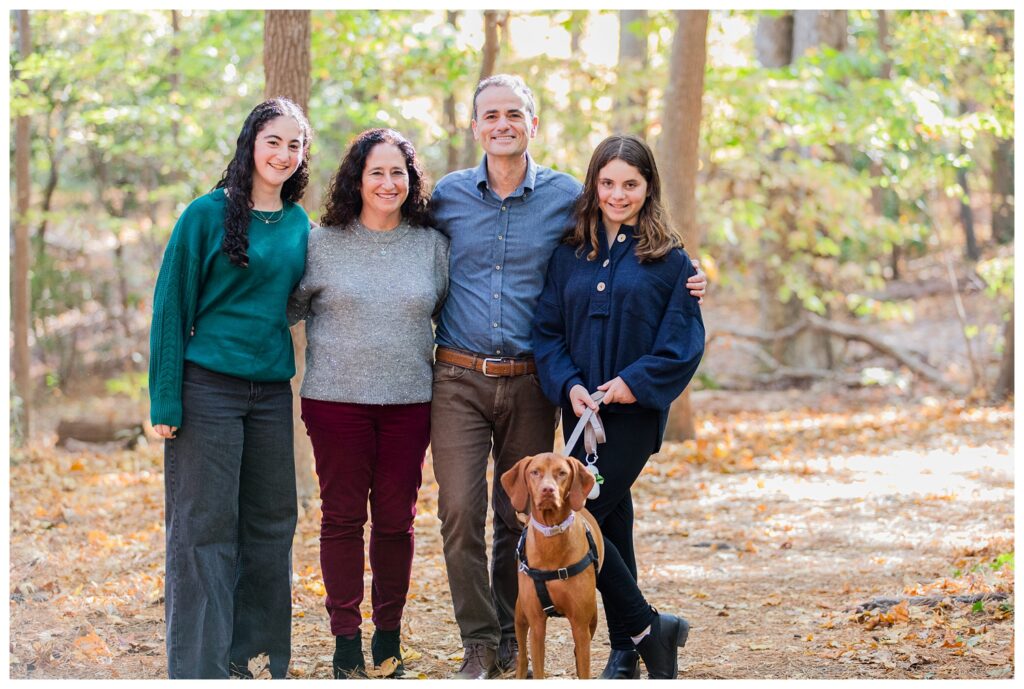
x: 845, y: 161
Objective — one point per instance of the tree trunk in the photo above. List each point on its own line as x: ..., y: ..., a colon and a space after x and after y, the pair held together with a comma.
x: 815, y: 28
x: 678, y: 147
x: 773, y: 40
x: 630, y: 113
x: 1002, y: 191
x: 1004, y: 383
x: 286, y: 55
x: 966, y: 212
x: 488, y: 63
x: 451, y: 124
x: 287, y: 64
x: 21, y: 306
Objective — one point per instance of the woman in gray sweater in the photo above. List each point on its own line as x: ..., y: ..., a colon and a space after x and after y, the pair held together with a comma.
x: 376, y: 274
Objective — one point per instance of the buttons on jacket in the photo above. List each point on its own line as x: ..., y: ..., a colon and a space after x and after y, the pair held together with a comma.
x: 600, y: 287
x: 605, y: 264
x: 621, y: 238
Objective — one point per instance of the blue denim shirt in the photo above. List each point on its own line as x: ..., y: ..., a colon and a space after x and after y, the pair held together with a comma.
x: 499, y: 255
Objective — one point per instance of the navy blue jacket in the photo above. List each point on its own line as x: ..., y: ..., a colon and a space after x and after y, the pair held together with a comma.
x: 615, y: 316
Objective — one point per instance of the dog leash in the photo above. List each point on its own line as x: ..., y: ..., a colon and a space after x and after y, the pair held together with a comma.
x: 592, y: 430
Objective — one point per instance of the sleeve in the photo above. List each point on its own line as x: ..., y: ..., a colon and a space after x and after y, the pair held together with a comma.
x: 441, y: 253
x: 658, y: 378
x: 555, y: 367
x: 174, y: 310
x: 302, y: 296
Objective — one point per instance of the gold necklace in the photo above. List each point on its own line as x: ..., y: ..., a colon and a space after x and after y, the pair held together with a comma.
x: 268, y: 218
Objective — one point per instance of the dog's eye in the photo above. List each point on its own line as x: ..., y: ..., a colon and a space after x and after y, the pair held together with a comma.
x: 534, y: 472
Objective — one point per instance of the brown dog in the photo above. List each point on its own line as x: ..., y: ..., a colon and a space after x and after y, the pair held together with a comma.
x: 552, y: 487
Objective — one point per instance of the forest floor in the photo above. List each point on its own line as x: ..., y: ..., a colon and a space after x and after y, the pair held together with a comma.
x: 767, y: 534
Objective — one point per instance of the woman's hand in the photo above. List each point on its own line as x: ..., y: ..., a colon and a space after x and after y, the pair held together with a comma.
x: 580, y: 399
x: 697, y: 284
x: 165, y: 431
x: 616, y: 390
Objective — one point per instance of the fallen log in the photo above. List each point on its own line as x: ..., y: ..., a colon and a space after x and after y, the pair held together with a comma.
x: 927, y: 601
x: 847, y: 331
x: 99, y: 431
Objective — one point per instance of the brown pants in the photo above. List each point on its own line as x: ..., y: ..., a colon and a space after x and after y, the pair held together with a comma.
x: 473, y: 416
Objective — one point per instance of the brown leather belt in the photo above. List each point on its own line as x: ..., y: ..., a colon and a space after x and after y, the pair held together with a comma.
x: 493, y: 367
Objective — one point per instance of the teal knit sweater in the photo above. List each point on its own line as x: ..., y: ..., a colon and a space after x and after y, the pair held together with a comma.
x: 224, y: 318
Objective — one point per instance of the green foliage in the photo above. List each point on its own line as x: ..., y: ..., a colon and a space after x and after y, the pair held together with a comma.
x: 132, y: 118
x: 796, y: 153
x: 131, y: 385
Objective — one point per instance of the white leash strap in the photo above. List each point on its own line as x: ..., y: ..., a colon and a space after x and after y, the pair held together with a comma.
x: 590, y: 427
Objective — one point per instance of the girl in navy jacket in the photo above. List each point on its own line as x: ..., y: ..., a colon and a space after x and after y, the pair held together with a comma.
x: 615, y: 315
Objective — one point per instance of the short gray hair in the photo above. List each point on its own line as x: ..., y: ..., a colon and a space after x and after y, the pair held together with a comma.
x: 509, y: 81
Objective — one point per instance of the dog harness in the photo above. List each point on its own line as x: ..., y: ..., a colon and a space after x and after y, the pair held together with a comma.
x: 542, y: 576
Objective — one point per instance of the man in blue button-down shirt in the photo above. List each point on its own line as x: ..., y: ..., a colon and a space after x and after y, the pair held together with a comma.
x: 504, y: 219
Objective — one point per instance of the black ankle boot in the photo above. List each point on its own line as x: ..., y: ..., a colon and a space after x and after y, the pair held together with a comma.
x: 622, y: 665
x: 348, y: 657
x: 659, y: 649
x: 384, y: 645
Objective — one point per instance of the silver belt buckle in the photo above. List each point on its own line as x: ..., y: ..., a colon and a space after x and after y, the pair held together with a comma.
x: 484, y: 368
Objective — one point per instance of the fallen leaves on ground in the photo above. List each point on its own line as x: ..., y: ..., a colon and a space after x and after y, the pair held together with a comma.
x: 765, y: 534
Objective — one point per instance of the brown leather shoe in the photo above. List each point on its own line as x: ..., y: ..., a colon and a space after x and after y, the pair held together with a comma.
x: 477, y: 663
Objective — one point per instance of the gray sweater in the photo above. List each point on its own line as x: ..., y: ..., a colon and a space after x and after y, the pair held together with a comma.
x: 368, y: 299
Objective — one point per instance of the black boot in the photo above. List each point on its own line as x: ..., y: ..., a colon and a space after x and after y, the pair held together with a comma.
x: 348, y: 657
x: 659, y: 649
x: 622, y: 665
x: 386, y: 645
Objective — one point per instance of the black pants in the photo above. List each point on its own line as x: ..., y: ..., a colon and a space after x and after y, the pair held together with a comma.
x: 632, y: 439
x: 230, y: 486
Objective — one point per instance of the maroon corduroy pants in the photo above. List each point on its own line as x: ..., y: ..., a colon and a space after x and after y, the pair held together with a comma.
x: 367, y: 452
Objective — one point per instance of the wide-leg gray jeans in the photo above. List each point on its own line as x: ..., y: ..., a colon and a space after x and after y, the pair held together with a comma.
x: 229, y: 479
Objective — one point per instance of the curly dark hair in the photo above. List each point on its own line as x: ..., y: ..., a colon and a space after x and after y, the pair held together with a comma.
x: 655, y: 234
x: 344, y: 200
x: 237, y: 177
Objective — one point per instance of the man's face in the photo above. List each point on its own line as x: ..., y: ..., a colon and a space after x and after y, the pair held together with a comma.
x: 503, y: 126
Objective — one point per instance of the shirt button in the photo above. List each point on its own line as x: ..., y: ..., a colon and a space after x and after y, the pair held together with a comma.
x: 497, y: 267
x: 500, y: 237
x: 600, y: 287
x: 605, y: 264
x: 503, y: 208
x: 496, y: 295
x: 494, y: 325
x: 621, y: 238
x: 497, y: 351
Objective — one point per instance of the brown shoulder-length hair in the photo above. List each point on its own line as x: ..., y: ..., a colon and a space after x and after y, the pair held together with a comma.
x: 655, y: 236
x: 344, y: 200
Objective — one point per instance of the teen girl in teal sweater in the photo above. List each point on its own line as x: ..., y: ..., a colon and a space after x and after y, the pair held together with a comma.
x: 220, y: 364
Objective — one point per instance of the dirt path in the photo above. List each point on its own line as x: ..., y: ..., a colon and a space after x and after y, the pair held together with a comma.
x: 766, y: 535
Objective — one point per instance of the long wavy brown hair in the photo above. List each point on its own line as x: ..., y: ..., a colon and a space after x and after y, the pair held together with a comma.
x: 655, y: 236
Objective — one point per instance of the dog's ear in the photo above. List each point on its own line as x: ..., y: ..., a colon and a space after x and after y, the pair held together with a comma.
x: 514, y: 483
x: 582, y: 483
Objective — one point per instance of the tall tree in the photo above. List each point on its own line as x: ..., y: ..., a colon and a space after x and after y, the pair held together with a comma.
x: 287, y: 63
x: 678, y: 157
x: 631, y: 109
x: 494, y: 22
x: 450, y: 122
x: 780, y: 40
x: 22, y: 145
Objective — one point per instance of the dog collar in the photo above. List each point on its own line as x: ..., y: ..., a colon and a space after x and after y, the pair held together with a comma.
x: 556, y: 529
